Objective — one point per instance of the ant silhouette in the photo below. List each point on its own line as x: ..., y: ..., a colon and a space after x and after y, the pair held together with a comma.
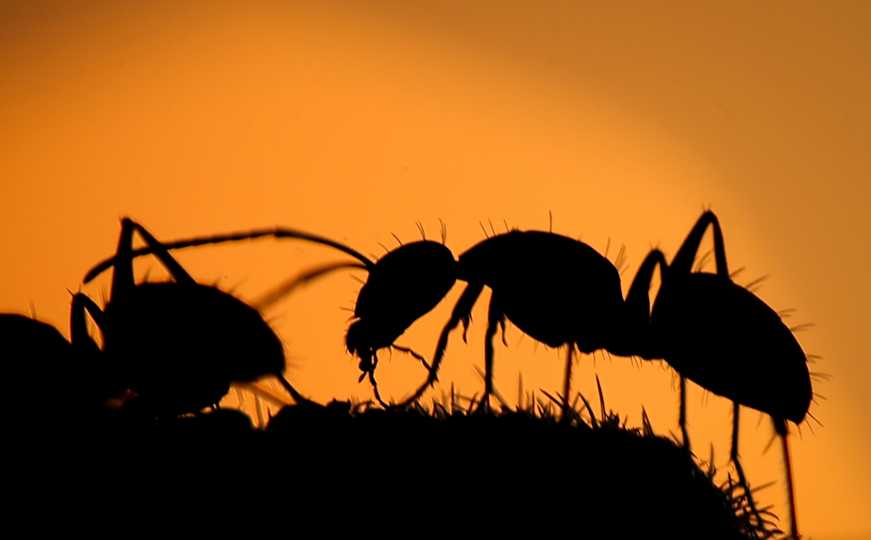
x: 538, y: 280
x: 722, y: 337
x: 402, y: 286
x: 74, y: 386
x: 558, y: 290
x: 181, y: 343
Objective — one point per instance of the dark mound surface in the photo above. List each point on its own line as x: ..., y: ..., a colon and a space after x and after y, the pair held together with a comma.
x: 446, y: 464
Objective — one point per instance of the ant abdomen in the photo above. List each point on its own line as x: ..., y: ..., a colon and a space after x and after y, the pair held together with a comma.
x: 72, y: 388
x: 182, y: 345
x: 752, y: 356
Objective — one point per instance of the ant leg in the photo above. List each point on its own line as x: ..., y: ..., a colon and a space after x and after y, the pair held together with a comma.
x: 375, y: 390
x: 682, y: 263
x: 494, y: 318
x: 122, y: 276
x: 414, y: 354
x: 637, y: 310
x: 81, y: 340
x: 179, y: 274
x: 297, y: 397
x: 736, y: 408
x: 683, y: 414
x: 461, y: 313
x: 567, y: 383
x: 782, y: 430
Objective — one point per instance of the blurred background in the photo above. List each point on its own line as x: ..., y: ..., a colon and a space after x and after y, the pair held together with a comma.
x: 356, y: 120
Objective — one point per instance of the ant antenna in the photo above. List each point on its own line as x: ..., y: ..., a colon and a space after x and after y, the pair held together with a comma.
x: 420, y: 228
x: 396, y: 238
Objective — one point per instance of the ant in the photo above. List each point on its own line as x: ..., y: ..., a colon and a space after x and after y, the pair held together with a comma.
x: 402, y: 286
x: 558, y: 290
x: 539, y: 281
x: 722, y: 337
x: 180, y: 344
x: 75, y: 387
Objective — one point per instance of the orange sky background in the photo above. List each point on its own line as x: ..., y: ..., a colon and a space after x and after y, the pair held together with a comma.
x: 356, y: 122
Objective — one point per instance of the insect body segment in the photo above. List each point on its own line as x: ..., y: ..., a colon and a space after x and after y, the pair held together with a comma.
x: 404, y: 285
x: 557, y: 290
x: 180, y: 343
x: 725, y: 339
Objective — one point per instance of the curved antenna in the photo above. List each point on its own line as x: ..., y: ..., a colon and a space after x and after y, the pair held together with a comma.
x: 104, y: 265
x: 303, y: 278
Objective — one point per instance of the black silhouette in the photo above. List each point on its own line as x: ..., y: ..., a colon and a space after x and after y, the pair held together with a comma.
x: 401, y: 287
x: 640, y: 484
x: 722, y: 337
x: 180, y: 344
x: 556, y: 289
x: 562, y: 292
x: 54, y: 383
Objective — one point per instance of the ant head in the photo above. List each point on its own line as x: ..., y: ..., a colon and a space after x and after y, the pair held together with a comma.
x: 358, y: 341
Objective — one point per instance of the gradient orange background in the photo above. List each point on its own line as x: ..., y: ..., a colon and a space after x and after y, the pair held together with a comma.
x: 356, y: 120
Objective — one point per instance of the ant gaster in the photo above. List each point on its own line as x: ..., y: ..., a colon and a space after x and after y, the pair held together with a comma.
x: 74, y: 386
x: 722, y: 337
x: 180, y: 343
